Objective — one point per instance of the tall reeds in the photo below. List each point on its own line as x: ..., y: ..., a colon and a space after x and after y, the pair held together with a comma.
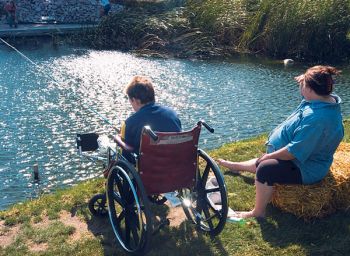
x: 154, y: 30
x: 225, y: 19
x: 308, y: 30
x: 303, y: 29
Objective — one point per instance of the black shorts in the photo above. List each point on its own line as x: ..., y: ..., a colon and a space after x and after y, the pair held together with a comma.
x: 273, y: 171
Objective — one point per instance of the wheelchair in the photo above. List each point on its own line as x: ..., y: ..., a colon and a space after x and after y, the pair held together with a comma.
x: 167, y: 162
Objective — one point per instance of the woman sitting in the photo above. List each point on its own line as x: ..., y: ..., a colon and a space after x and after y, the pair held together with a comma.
x: 300, y: 150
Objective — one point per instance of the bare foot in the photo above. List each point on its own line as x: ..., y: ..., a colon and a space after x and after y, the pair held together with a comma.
x: 250, y: 214
x: 229, y: 165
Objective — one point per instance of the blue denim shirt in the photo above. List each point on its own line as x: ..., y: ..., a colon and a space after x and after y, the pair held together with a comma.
x: 311, y: 134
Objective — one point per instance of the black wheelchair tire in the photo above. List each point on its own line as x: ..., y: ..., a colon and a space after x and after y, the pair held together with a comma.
x: 132, y: 225
x: 98, y: 205
x: 199, y: 209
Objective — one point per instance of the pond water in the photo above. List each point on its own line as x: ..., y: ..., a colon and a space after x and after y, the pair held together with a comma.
x: 44, y: 104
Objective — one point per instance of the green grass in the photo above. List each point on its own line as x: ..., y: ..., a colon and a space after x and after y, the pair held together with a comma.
x: 279, y: 234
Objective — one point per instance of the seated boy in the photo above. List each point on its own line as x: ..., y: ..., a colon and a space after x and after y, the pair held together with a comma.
x: 141, y: 96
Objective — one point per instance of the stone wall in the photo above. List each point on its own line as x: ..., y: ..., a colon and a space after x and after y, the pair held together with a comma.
x: 60, y: 11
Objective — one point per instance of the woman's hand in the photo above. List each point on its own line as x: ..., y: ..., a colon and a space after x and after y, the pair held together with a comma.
x: 281, y: 154
x: 260, y: 159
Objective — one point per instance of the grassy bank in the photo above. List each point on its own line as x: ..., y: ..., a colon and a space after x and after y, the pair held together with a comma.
x: 60, y: 224
x: 300, y: 29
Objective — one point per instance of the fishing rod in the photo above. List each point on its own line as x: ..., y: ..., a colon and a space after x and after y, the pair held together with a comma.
x: 58, y: 84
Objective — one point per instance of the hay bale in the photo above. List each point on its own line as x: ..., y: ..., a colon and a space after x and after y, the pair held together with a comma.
x: 321, y: 199
x: 304, y: 201
x: 340, y: 170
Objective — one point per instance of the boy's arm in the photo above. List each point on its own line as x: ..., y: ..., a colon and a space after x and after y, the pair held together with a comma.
x: 117, y: 139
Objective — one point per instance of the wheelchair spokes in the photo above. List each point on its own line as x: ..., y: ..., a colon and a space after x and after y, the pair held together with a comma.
x: 119, y: 200
x: 206, y: 204
x: 129, y: 212
x: 194, y: 175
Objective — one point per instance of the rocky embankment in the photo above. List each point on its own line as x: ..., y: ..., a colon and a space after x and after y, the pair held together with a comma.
x: 60, y: 11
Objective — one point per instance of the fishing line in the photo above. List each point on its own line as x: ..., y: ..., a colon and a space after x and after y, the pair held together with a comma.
x: 59, y: 85
x: 86, y: 103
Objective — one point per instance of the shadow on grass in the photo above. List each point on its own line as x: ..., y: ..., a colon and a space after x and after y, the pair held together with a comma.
x: 327, y: 236
x: 101, y: 227
x: 250, y: 180
x: 181, y: 240
x: 185, y: 240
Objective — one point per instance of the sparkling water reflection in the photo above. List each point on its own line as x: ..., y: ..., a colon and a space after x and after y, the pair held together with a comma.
x: 43, y: 107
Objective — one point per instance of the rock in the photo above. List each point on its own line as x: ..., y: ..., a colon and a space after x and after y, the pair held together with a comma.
x: 288, y: 62
x: 70, y: 11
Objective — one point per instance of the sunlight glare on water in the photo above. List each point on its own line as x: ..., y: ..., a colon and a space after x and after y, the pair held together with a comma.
x: 43, y: 108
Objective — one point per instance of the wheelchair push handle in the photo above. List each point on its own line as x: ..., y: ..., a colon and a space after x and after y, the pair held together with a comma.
x: 209, y: 128
x: 148, y: 130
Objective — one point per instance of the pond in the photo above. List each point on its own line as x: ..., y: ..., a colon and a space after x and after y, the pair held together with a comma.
x: 44, y: 104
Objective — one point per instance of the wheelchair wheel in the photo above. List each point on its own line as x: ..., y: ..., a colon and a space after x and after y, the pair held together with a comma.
x: 98, y: 205
x: 129, y: 210
x: 206, y: 204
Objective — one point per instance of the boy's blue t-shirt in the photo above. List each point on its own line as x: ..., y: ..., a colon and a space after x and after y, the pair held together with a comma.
x: 311, y: 134
x: 159, y: 118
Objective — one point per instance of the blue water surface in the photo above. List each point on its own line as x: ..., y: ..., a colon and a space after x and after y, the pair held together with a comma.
x: 44, y: 104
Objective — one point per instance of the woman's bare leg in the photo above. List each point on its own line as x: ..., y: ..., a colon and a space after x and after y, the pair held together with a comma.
x: 262, y: 198
x: 247, y: 166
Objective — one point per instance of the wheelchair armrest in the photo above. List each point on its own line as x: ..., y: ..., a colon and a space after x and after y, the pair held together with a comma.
x: 117, y: 139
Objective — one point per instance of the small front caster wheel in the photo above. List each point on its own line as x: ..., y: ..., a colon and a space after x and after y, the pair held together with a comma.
x: 98, y: 205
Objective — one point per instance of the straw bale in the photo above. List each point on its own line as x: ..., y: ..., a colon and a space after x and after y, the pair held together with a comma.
x: 340, y: 170
x: 321, y: 199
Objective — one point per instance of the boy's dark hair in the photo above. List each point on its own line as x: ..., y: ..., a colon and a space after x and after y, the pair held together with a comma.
x: 141, y: 88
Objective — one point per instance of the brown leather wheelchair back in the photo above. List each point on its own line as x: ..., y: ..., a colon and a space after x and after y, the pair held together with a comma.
x: 169, y: 163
